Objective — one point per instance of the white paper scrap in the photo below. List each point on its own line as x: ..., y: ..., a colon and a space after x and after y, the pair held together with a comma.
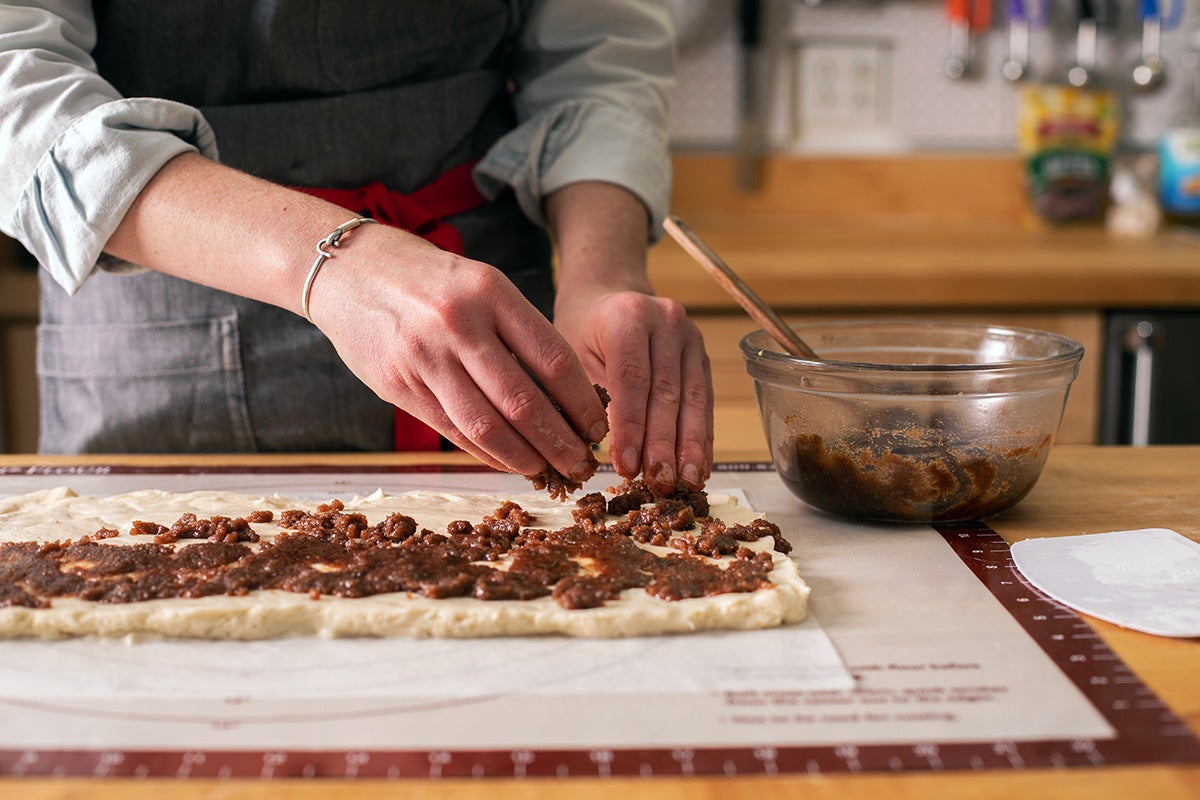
x: 1147, y: 580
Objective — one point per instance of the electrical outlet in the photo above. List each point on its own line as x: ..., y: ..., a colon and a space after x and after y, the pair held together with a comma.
x: 841, y: 94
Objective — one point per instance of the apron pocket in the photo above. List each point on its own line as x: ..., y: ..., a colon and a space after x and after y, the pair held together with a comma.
x: 156, y: 387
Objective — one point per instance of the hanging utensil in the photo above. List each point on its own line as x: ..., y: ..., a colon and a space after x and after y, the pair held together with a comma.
x: 751, y: 133
x: 965, y: 17
x: 1151, y: 71
x: 1016, y: 66
x: 1083, y: 70
x: 959, y: 60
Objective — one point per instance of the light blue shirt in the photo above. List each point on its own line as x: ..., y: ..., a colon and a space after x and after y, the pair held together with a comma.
x: 593, y: 78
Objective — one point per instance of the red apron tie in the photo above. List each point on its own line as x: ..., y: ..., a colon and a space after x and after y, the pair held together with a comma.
x: 420, y: 213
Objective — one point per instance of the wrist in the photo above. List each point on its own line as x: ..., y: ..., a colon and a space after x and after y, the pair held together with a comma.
x: 601, y: 235
x: 326, y: 251
x: 584, y: 282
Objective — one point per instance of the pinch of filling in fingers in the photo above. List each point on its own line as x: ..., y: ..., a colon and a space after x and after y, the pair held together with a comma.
x: 560, y: 486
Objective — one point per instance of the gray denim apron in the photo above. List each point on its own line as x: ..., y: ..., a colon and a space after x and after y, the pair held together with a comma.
x: 303, y: 92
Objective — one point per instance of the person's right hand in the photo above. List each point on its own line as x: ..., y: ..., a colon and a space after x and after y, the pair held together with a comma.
x: 445, y: 338
x: 450, y: 340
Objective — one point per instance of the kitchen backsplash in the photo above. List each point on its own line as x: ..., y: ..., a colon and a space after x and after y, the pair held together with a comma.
x: 885, y: 59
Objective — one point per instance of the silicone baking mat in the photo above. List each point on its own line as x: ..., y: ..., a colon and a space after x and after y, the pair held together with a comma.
x: 956, y: 663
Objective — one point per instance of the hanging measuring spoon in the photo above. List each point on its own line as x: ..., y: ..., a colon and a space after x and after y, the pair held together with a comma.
x: 1151, y: 71
x: 959, y: 58
x: 965, y: 17
x: 1095, y: 16
x: 1016, y: 66
x: 1083, y: 71
x: 1024, y: 16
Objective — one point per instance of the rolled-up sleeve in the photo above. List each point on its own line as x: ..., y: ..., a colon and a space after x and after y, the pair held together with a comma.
x: 592, y: 82
x: 76, y: 153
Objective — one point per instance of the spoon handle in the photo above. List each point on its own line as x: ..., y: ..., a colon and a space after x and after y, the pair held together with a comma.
x: 728, y: 280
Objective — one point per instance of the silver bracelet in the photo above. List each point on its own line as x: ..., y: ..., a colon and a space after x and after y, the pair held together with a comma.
x: 323, y: 255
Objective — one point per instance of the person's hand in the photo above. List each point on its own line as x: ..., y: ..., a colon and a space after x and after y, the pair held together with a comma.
x: 642, y: 348
x: 449, y: 339
x: 652, y: 360
x: 453, y: 342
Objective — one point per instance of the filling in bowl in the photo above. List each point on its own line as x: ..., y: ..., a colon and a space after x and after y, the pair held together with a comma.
x: 912, y: 421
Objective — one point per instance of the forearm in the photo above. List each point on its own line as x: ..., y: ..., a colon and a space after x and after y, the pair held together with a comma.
x: 600, y: 232
x: 210, y: 224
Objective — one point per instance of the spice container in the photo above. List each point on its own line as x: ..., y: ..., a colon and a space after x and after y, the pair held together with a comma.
x: 1179, y: 154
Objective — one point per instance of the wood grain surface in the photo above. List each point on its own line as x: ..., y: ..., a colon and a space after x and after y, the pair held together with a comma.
x: 938, y: 230
x: 844, y: 264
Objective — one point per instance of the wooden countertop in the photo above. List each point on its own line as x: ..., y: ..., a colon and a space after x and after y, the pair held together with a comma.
x: 934, y: 231
x: 809, y: 265
x: 1084, y: 489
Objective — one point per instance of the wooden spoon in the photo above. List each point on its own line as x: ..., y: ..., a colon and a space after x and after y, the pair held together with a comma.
x: 728, y: 280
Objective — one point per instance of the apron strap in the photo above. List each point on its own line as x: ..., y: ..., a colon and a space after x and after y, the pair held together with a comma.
x: 420, y: 212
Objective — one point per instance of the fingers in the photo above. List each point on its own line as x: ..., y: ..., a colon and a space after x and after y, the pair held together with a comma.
x: 424, y: 405
x: 659, y: 462
x: 561, y: 375
x: 513, y: 415
x: 628, y: 371
x: 695, y: 430
x: 678, y: 431
x: 661, y: 412
x: 493, y: 405
x: 490, y: 407
x: 491, y: 378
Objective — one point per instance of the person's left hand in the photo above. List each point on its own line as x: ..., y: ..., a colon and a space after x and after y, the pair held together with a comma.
x: 652, y: 360
x: 642, y: 348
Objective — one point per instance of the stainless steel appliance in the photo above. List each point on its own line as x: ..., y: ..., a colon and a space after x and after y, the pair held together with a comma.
x: 1151, y: 378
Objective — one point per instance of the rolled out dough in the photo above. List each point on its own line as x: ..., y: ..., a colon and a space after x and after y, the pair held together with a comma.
x: 59, y: 514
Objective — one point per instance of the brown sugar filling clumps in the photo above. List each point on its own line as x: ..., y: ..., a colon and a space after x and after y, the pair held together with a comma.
x: 559, y: 486
x: 332, y: 552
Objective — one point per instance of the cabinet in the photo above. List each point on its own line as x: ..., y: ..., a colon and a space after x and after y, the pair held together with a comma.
x: 18, y: 330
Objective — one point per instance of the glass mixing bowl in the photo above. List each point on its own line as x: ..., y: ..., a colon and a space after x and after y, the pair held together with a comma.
x: 912, y: 421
